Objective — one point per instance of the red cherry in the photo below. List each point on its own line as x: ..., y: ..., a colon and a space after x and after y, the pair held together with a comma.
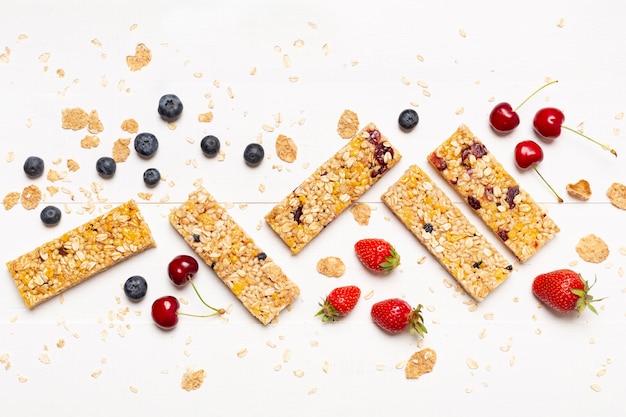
x: 165, y: 312
x: 182, y: 269
x: 529, y: 154
x: 548, y: 123
x: 503, y: 118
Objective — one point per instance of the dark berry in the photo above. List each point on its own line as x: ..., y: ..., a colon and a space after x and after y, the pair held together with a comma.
x: 33, y: 166
x: 106, y: 166
x: 408, y: 119
x: 210, y: 145
x: 135, y: 287
x: 253, y: 154
x: 261, y: 256
x: 151, y: 177
x: 146, y: 144
x: 50, y: 215
x: 170, y: 107
x: 428, y: 228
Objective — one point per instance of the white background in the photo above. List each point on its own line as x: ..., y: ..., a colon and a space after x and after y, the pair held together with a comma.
x: 530, y: 361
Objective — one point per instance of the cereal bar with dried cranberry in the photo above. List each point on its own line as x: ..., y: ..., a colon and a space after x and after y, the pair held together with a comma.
x: 249, y: 273
x: 333, y: 187
x: 475, y: 174
x: 447, y: 234
x: 80, y: 253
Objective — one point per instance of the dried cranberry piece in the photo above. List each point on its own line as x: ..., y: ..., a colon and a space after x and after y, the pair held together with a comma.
x: 437, y: 162
x: 488, y: 195
x: 503, y: 234
x: 510, y: 195
x: 478, y: 150
x: 374, y: 136
x: 379, y: 154
x: 473, y: 202
x: 297, y: 214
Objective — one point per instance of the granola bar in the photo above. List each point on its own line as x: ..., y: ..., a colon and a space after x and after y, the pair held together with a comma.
x: 80, y: 253
x: 447, y: 234
x: 333, y: 187
x: 475, y: 174
x: 249, y: 273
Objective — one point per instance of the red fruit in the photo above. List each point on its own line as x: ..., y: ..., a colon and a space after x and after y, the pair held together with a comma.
x: 503, y: 118
x: 564, y: 291
x: 181, y: 269
x: 377, y: 255
x: 339, y: 302
x: 528, y: 154
x: 394, y: 315
x: 549, y: 121
x: 165, y: 312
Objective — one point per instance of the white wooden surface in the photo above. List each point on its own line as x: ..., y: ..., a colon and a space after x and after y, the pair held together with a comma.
x: 530, y: 361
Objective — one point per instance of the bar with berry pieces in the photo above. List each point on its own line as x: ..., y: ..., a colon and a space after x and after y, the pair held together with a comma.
x: 447, y: 234
x: 494, y: 195
x: 332, y: 188
x: 251, y: 275
x: 80, y: 253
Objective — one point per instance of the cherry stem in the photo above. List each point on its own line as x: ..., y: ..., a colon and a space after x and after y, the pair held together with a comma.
x: 603, y: 146
x: 217, y: 310
x: 535, y: 92
x: 549, y: 186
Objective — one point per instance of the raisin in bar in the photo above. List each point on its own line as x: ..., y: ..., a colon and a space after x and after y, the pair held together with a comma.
x: 447, y: 234
x: 80, y: 253
x: 333, y: 187
x: 475, y: 174
x: 251, y: 275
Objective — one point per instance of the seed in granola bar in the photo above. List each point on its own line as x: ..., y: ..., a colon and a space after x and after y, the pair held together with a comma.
x: 253, y: 154
x: 210, y: 145
x: 146, y: 144
x: 136, y: 287
x: 33, y: 166
x: 408, y: 119
x: 106, y: 166
x: 196, y: 237
x: 50, y: 215
x: 151, y: 177
x: 477, y: 264
x: 170, y: 107
x: 473, y: 202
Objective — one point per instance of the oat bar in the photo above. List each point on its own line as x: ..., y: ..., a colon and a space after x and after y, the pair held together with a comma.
x: 475, y: 174
x: 333, y: 187
x: 80, y: 253
x: 447, y: 234
x: 251, y: 275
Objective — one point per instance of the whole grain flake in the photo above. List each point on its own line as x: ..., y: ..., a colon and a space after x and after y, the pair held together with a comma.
x: 74, y: 118
x: 286, y: 148
x: 130, y: 126
x: 331, y: 266
x: 121, y: 149
x: 192, y: 380
x: 142, y: 57
x: 420, y: 362
x: 348, y: 124
x: 592, y: 248
x: 31, y: 196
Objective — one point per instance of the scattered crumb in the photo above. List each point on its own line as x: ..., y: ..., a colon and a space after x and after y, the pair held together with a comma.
x: 361, y: 213
x: 31, y: 196
x: 331, y: 266
x: 130, y: 126
x: 286, y: 148
x: 10, y: 200
x: 192, y: 380
x: 205, y: 117
x: 142, y: 57
x: 617, y: 195
x: 421, y: 362
x: 90, y: 142
x: 72, y: 165
x: 94, y: 125
x: 121, y: 149
x: 593, y: 249
x: 580, y: 190
x: 348, y: 124
x: 74, y: 118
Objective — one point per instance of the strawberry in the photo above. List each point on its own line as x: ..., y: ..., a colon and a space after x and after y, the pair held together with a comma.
x: 394, y: 315
x: 339, y: 302
x: 377, y: 255
x: 563, y: 290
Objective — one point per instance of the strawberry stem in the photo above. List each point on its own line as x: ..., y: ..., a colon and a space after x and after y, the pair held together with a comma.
x: 534, y: 92
x: 416, y: 322
x: 585, y: 299
x: 560, y: 200
x: 603, y: 146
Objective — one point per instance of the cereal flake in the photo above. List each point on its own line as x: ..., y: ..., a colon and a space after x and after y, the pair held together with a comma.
x: 31, y: 196
x: 286, y: 148
x: 421, y: 362
x: 192, y: 380
x: 361, y: 213
x: 130, y: 126
x: 74, y: 118
x: 121, y: 149
x: 617, y: 195
x: 142, y: 57
x: 580, y: 190
x: 348, y: 124
x: 593, y: 249
x: 331, y: 266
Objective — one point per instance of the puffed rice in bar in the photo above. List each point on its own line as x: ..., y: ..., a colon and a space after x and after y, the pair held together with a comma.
x: 447, y: 234
x: 475, y: 174
x: 333, y: 187
x: 80, y: 253
x: 221, y: 243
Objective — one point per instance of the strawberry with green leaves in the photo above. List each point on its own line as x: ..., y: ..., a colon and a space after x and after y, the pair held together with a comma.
x: 339, y: 302
x: 394, y: 315
x: 564, y: 291
x: 377, y: 255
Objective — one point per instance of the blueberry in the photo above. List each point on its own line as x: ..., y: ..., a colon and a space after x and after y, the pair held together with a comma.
x: 146, y: 144
x: 253, y: 154
x: 50, y: 215
x: 151, y: 177
x: 106, y: 166
x: 210, y: 145
x: 135, y: 287
x: 170, y: 107
x: 408, y: 119
x: 33, y: 166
